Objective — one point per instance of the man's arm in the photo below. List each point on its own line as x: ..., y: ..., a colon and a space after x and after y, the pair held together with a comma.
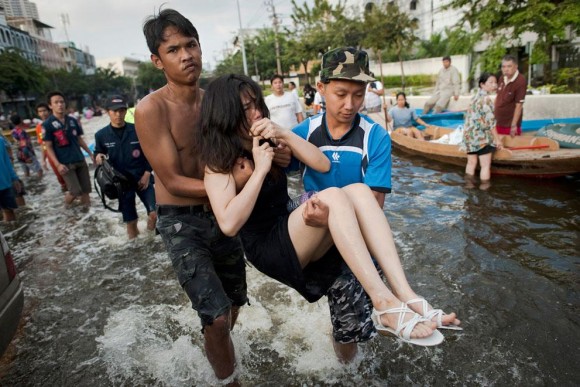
x: 153, y: 130
x: 517, y: 114
x: 299, y: 117
x: 62, y: 169
x: 456, y: 81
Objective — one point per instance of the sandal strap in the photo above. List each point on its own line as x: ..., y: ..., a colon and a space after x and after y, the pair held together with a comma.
x: 404, y: 328
x: 428, y: 314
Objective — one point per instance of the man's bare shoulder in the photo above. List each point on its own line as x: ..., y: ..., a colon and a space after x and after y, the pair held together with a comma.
x: 154, y: 101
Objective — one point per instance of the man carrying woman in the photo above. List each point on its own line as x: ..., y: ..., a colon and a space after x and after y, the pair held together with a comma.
x: 278, y: 242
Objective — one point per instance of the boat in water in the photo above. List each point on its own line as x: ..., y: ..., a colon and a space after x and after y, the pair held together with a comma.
x: 525, y: 155
x: 453, y: 120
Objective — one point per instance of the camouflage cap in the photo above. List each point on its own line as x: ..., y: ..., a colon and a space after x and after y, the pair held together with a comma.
x: 345, y: 63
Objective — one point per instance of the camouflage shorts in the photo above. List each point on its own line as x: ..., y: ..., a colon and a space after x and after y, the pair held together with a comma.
x: 350, y: 310
x: 209, y: 266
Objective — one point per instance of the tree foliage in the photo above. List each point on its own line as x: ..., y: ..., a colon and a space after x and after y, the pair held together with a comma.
x: 506, y: 20
x: 18, y: 76
x: 149, y: 77
x: 387, y: 27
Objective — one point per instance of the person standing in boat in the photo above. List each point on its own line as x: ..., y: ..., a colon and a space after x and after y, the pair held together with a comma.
x: 509, y: 102
x: 480, y: 137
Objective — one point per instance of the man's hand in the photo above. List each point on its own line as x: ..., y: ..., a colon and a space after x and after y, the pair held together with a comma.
x: 315, y: 213
x: 242, y: 171
x: 143, y: 182
x: 513, y: 131
x: 282, y: 154
x: 62, y: 169
x: 456, y: 97
x: 17, y: 186
x: 99, y: 158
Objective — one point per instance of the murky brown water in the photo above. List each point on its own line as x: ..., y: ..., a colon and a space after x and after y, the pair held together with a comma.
x: 101, y: 312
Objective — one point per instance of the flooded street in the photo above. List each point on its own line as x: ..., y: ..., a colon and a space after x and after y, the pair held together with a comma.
x: 100, y: 311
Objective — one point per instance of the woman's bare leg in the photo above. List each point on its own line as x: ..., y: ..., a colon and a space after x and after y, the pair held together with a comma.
x: 471, y: 165
x: 485, y: 165
x: 343, y: 228
x: 379, y: 241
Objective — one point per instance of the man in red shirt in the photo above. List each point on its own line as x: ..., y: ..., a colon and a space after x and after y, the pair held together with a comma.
x: 509, y: 103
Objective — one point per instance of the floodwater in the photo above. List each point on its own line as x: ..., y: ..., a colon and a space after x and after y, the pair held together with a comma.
x: 100, y: 311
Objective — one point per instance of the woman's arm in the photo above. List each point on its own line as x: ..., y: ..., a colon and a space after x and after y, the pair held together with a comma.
x: 304, y: 151
x: 231, y: 210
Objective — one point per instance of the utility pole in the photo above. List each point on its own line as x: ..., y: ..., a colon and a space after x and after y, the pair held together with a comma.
x: 275, y: 23
x: 242, y: 40
x: 65, y: 22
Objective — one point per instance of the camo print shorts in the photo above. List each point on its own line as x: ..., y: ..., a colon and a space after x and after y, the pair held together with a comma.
x: 350, y: 310
x: 209, y: 265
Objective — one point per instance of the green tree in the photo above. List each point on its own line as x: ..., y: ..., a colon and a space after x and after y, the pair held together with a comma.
x: 436, y: 45
x: 20, y: 77
x: 387, y: 27
x: 505, y: 21
x: 149, y: 77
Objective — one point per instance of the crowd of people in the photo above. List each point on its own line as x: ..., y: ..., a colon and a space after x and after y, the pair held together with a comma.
x: 210, y: 168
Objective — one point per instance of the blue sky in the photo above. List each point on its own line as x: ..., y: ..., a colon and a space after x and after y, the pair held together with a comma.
x: 111, y: 28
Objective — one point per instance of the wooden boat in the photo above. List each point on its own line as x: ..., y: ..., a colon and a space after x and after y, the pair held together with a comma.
x: 522, y: 155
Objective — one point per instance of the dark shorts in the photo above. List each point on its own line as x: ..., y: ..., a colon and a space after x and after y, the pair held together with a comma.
x: 312, y: 283
x: 77, y: 178
x: 128, y: 208
x: 7, y: 199
x: 209, y: 266
x: 350, y: 309
x: 483, y: 151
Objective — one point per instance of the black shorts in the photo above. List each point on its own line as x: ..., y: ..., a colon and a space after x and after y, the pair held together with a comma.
x: 483, y: 151
x: 272, y: 253
x: 209, y: 265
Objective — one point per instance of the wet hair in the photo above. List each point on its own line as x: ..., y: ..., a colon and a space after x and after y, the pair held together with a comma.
x: 484, y: 77
x: 15, y: 119
x: 508, y: 58
x: 52, y: 94
x: 276, y: 76
x: 223, y: 120
x: 155, y: 25
x: 292, y: 83
x: 447, y: 57
x: 41, y: 105
x: 404, y: 96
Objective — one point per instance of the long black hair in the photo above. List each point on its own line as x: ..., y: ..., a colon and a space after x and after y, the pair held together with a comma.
x: 404, y: 96
x: 223, y: 120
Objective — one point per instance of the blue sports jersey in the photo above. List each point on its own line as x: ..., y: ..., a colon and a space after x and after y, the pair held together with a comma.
x: 363, y: 154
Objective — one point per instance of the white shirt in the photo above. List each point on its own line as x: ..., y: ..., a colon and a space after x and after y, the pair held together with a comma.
x: 371, y: 99
x: 283, y: 109
x: 295, y: 93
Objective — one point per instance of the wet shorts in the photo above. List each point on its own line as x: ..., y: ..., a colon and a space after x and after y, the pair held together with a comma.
x: 483, y: 151
x: 350, y: 309
x: 77, y: 178
x: 209, y: 266
x: 7, y: 199
x: 128, y: 208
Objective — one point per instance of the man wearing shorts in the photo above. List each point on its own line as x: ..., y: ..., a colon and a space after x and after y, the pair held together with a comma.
x: 210, y: 267
x: 9, y: 183
x: 360, y: 152
x: 118, y: 143
x: 64, y: 140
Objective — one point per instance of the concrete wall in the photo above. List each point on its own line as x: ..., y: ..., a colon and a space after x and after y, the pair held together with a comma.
x: 535, y: 106
x: 425, y: 66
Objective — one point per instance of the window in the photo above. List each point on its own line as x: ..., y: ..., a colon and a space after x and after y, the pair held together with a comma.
x: 413, y: 5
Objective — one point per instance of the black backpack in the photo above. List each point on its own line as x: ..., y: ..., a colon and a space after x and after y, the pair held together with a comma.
x: 110, y: 183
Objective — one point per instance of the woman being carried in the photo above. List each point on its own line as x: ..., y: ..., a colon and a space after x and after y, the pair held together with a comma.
x: 278, y: 243
x: 402, y: 116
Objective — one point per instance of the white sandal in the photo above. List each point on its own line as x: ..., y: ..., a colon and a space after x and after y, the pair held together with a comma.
x: 404, y: 328
x: 433, y: 313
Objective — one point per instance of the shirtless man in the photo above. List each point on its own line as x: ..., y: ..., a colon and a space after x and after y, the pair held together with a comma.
x: 209, y: 266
